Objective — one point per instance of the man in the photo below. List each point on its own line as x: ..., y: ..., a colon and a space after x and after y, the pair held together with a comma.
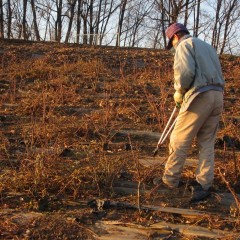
x: 199, y: 84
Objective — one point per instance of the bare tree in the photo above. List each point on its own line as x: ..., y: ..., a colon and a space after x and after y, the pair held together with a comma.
x: 9, y: 18
x: 79, y: 12
x: 137, y: 21
x: 35, y: 20
x: 216, y: 27
x: 45, y: 13
x: 231, y: 6
x: 196, y: 17
x: 1, y: 20
x: 162, y: 20
x: 24, y: 21
x: 48, y: 23
x: 84, y: 15
x: 120, y: 22
x: 58, y: 23
x: 140, y: 16
x: 107, y: 11
x: 226, y: 15
x: 177, y: 7
x: 134, y: 22
x: 91, y: 17
x: 171, y: 11
x: 98, y: 18
x: 186, y: 13
x: 72, y: 4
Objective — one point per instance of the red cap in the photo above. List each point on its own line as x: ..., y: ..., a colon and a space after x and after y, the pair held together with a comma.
x: 173, y: 29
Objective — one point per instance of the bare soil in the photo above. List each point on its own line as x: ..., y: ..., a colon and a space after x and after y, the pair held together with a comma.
x: 78, y: 128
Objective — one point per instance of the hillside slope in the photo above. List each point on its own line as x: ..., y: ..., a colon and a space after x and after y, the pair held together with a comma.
x: 78, y: 127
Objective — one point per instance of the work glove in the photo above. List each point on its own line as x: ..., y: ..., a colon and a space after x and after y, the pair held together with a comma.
x: 178, y: 98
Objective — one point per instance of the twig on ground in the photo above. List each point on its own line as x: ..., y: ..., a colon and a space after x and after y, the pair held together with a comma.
x: 236, y: 198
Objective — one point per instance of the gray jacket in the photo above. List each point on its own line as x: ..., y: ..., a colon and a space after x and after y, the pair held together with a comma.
x: 196, y: 65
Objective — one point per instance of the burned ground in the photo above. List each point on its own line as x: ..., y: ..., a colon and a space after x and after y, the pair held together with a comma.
x: 78, y: 127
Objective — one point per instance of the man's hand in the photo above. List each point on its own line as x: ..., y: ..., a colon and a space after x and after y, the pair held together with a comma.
x: 178, y: 98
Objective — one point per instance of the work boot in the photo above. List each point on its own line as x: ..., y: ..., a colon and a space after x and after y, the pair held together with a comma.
x: 198, y: 193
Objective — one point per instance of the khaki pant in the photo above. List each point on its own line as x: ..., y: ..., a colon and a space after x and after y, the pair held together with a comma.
x: 201, y: 121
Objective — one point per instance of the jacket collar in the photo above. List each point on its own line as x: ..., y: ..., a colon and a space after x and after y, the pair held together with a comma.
x: 183, y: 38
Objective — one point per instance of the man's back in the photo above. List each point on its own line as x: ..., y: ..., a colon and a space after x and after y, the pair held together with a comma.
x: 200, y: 60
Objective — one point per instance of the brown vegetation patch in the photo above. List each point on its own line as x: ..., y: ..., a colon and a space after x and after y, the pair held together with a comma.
x: 75, y: 120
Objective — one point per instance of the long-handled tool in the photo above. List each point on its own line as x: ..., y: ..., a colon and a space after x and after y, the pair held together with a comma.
x: 166, y: 132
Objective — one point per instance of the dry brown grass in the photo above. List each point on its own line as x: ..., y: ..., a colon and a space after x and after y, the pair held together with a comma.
x: 61, y: 112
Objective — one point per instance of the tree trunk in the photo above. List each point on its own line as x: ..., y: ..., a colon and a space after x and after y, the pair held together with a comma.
x: 91, y: 28
x: 216, y: 27
x: 85, y: 38
x: 79, y: 13
x: 120, y: 23
x: 58, y: 24
x: 1, y: 20
x: 46, y: 27
x: 24, y: 21
x: 186, y: 14
x: 196, y: 19
x: 9, y: 19
x: 175, y: 9
x: 35, y: 20
x: 163, y: 20
x: 72, y: 7
x: 98, y: 22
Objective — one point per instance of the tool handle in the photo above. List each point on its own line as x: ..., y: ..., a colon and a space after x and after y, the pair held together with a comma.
x: 169, y: 130
x: 165, y: 129
x: 164, y: 134
x: 155, y: 151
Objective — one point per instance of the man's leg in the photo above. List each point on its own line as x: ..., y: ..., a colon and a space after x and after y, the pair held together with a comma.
x: 206, y: 140
x: 180, y: 142
x: 187, y: 126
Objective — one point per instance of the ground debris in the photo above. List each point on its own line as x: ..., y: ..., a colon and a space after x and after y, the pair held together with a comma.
x: 81, y: 122
x: 121, y: 230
